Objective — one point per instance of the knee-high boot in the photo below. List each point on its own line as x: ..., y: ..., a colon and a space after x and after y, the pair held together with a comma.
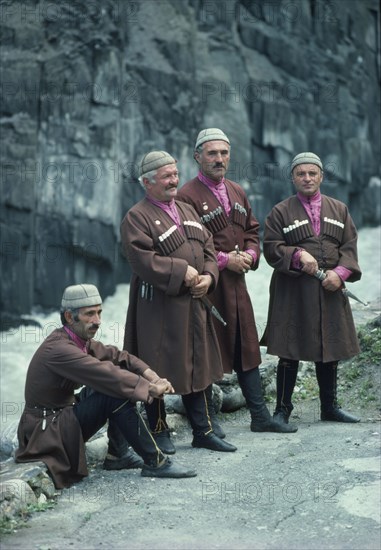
x: 156, y: 415
x: 196, y: 406
x: 261, y: 420
x: 120, y: 456
x: 287, y: 371
x: 212, y: 413
x: 326, y: 375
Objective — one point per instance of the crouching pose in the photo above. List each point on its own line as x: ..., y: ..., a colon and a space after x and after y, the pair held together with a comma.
x: 55, y: 425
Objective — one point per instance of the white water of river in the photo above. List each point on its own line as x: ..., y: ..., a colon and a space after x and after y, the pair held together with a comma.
x: 19, y: 344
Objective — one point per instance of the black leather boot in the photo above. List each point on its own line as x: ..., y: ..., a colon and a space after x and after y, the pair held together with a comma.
x: 261, y: 420
x: 156, y: 415
x: 326, y: 375
x: 212, y: 413
x: 119, y: 455
x: 213, y: 443
x: 287, y: 371
x: 128, y: 461
x: 196, y: 406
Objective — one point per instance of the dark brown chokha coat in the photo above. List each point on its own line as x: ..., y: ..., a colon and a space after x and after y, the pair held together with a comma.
x: 57, y: 369
x: 230, y: 297
x: 165, y: 326
x: 306, y: 322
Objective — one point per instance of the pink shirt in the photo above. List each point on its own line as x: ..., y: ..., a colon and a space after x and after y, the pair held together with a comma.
x: 80, y: 342
x: 169, y: 207
x: 312, y: 205
x: 218, y: 189
x: 220, y: 192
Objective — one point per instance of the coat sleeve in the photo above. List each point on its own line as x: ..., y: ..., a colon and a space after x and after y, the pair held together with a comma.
x: 251, y: 236
x: 69, y: 362
x: 164, y: 272
x: 210, y: 259
x: 348, y: 249
x: 275, y: 250
x: 122, y: 358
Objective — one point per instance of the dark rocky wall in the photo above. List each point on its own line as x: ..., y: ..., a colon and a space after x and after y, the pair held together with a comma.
x: 88, y: 86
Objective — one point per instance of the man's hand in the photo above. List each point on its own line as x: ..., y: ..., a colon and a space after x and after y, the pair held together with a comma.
x: 201, y: 288
x: 239, y: 262
x: 332, y: 281
x: 159, y: 388
x: 309, y: 263
x: 151, y: 375
x: 191, y: 277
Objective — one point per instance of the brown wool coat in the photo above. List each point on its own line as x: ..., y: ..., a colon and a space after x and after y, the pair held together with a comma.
x: 305, y: 321
x: 57, y: 369
x: 230, y: 297
x: 165, y: 326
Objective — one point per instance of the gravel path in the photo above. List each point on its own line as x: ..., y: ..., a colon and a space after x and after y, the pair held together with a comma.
x: 316, y: 489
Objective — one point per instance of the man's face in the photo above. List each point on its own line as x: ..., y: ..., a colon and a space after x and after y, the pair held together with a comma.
x: 214, y: 159
x: 307, y: 178
x: 165, y: 184
x: 89, y: 320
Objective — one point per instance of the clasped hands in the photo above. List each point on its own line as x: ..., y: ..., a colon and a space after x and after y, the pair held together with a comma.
x: 157, y: 386
x: 198, y: 284
x: 332, y: 281
x: 240, y: 262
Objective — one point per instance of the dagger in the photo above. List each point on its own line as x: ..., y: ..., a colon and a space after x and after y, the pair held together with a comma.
x: 321, y: 276
x: 213, y: 310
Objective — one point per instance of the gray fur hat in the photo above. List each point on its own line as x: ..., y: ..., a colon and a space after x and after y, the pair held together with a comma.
x: 76, y: 296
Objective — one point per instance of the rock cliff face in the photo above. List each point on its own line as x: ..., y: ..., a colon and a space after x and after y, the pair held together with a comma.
x: 88, y: 87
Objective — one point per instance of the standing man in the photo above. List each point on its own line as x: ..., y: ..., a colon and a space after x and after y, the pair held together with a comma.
x: 54, y: 426
x: 224, y: 209
x: 310, y: 319
x: 173, y: 269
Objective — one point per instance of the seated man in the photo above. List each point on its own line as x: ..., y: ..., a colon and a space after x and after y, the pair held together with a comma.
x: 54, y: 425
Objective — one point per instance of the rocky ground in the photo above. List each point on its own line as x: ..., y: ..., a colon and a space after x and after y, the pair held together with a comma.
x: 318, y: 488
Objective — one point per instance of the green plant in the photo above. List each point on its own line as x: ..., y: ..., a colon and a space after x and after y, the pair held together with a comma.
x: 370, y: 344
x: 19, y: 520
